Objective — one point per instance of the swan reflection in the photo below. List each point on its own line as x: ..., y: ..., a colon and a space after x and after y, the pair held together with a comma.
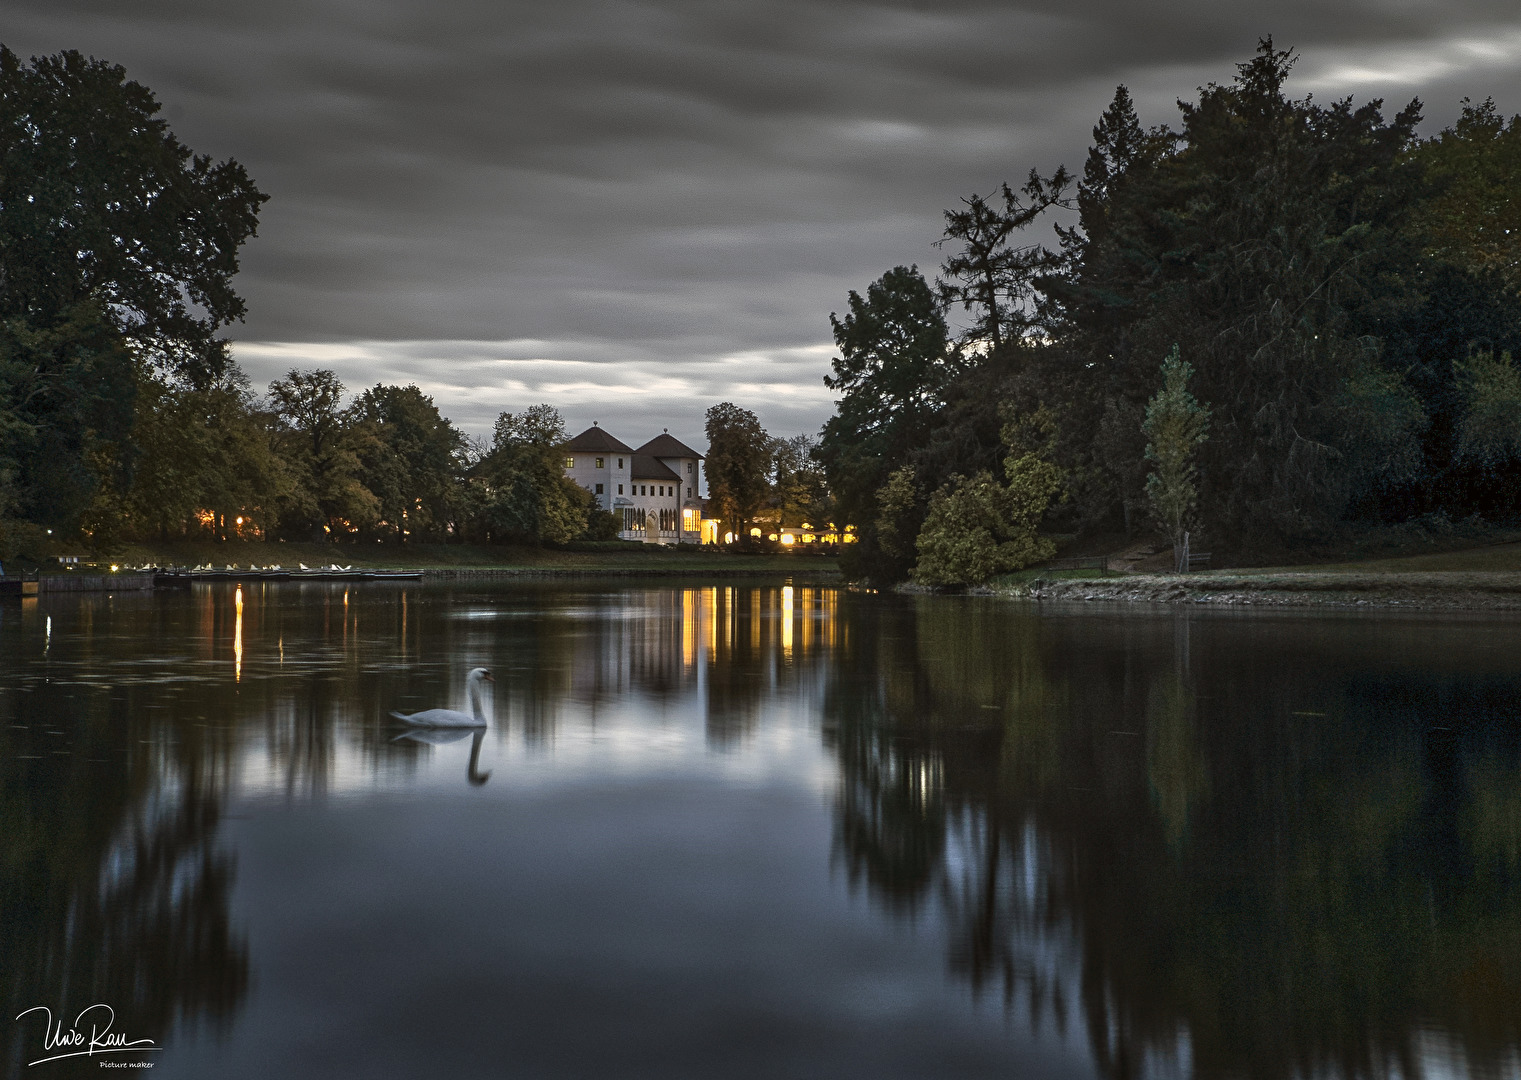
x: 440, y: 736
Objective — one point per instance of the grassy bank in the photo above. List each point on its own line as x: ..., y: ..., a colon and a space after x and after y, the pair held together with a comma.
x: 1478, y: 579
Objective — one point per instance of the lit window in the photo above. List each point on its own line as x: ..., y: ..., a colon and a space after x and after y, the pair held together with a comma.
x: 600, y: 462
x: 570, y: 463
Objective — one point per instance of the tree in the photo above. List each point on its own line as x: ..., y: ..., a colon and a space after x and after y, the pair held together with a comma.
x: 101, y: 204
x: 412, y: 460
x: 892, y: 370
x: 1269, y: 238
x: 1175, y: 425
x: 1474, y: 220
x: 528, y: 496
x: 117, y: 250
x: 989, y: 276
x: 978, y: 528
x: 321, y: 445
x: 207, y: 457
x: 738, y: 465
x: 802, y: 492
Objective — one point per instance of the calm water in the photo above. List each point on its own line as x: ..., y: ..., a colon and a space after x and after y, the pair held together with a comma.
x: 757, y: 831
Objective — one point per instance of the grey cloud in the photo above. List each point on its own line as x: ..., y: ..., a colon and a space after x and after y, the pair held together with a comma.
x: 678, y: 181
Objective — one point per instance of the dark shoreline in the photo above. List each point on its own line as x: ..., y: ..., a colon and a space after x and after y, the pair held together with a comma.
x: 1455, y: 590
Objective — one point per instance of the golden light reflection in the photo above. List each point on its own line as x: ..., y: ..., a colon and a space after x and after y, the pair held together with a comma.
x: 689, y: 618
x: 787, y: 621
x: 237, y: 638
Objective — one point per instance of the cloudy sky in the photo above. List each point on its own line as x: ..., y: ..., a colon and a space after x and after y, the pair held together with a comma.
x: 632, y: 210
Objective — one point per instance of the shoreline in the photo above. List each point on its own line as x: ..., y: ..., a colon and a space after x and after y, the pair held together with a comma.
x: 1454, y: 590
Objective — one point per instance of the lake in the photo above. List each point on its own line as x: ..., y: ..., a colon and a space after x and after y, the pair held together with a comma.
x: 754, y: 829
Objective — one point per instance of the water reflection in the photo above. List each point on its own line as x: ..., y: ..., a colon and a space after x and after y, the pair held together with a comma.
x: 1214, y: 846
x: 444, y: 736
x: 1280, y: 850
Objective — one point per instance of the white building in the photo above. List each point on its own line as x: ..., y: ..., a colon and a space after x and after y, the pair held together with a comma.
x: 657, y: 489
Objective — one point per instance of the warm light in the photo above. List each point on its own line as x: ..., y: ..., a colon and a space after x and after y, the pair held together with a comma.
x: 728, y: 538
x: 771, y: 537
x: 240, y: 521
x: 237, y: 638
x: 788, y: 538
x: 755, y: 532
x: 808, y: 538
x: 114, y: 568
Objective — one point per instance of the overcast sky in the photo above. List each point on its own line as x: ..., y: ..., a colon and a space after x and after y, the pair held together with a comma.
x: 632, y: 210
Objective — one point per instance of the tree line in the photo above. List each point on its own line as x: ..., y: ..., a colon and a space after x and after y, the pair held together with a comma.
x: 1277, y: 322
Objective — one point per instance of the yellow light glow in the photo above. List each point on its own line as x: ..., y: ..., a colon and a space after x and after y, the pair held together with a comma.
x: 240, y: 521
x: 755, y: 532
x: 237, y: 638
x: 788, y: 539
x: 114, y: 568
x: 771, y: 537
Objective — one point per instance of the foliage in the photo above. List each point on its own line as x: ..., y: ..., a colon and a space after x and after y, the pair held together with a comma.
x: 1490, y: 431
x: 738, y: 465
x: 891, y: 373
x: 66, y: 398
x: 1175, y: 425
x: 117, y: 250
x: 411, y: 459
x: 899, y: 515
x: 100, y: 204
x: 990, y: 277
x: 1474, y: 220
x: 978, y: 528
x: 801, y: 490
x: 527, y: 494
x: 319, y: 441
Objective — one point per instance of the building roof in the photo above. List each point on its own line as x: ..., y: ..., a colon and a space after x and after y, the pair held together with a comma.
x: 667, y: 446
x: 647, y: 468
x: 596, y: 440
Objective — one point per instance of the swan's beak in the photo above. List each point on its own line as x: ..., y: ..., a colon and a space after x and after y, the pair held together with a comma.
x: 488, y: 677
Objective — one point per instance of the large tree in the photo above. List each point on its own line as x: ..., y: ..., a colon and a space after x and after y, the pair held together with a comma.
x: 738, y: 465
x: 527, y: 496
x: 412, y: 460
x: 117, y: 252
x: 321, y: 443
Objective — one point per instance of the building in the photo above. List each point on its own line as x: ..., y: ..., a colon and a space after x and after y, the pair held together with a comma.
x: 656, y: 489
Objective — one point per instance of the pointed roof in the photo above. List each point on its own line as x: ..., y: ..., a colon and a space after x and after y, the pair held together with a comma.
x: 594, y: 440
x: 646, y: 467
x: 667, y: 446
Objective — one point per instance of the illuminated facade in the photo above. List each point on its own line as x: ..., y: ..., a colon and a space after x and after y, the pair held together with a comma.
x: 656, y: 489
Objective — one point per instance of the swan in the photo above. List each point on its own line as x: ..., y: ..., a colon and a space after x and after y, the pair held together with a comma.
x: 453, y: 718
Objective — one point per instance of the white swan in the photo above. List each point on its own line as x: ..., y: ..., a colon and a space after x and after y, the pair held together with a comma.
x: 453, y: 718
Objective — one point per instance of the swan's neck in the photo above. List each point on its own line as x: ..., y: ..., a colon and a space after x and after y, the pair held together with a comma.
x: 475, y: 699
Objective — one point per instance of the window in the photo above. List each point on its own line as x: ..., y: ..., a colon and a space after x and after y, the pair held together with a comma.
x: 689, y: 468
x: 599, y: 489
x: 620, y: 489
x: 689, y: 491
x: 643, y: 490
x: 600, y: 462
x: 662, y: 489
x: 620, y: 463
x: 570, y: 463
